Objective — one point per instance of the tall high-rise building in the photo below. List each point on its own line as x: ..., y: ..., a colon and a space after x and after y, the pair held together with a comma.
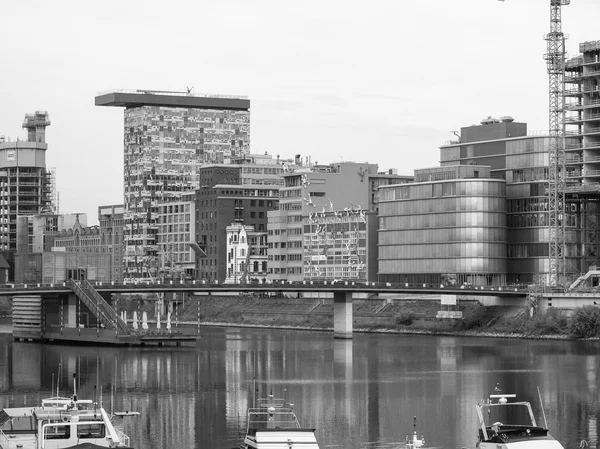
x: 25, y: 183
x: 582, y: 152
x: 167, y: 136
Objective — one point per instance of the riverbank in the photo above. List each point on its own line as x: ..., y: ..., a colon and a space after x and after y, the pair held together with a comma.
x: 406, y: 315
x: 415, y: 316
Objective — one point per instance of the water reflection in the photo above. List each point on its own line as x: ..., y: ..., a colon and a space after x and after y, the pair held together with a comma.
x: 357, y: 393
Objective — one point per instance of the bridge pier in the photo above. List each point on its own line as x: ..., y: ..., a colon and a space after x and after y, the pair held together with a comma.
x: 342, y: 314
x: 71, y: 318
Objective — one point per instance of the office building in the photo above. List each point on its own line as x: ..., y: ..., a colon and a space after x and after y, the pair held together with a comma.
x: 26, y: 185
x: 522, y: 159
x: 340, y: 245
x: 319, y: 189
x: 176, y: 230
x: 228, y: 197
x: 167, y: 136
x: 56, y: 248
x: 448, y: 224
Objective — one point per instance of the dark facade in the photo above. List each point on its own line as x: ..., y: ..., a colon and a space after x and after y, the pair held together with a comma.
x: 222, y: 200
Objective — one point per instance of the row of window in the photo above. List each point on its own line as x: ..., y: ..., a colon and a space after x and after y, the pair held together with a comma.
x: 443, y: 235
x: 467, y: 188
x: 462, y: 219
x: 434, y: 206
x: 442, y: 250
x: 443, y: 265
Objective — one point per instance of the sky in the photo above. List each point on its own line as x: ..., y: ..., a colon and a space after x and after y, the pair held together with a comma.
x: 384, y: 81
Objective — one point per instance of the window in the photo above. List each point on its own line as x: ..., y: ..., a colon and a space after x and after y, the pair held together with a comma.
x: 95, y: 430
x: 55, y: 432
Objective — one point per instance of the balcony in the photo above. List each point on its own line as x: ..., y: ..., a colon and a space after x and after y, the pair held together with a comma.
x: 573, y: 174
x: 572, y: 92
x: 588, y: 131
x: 573, y: 160
x: 584, y: 118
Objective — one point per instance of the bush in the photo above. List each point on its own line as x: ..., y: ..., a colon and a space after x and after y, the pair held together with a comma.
x: 550, y: 323
x: 405, y: 318
x: 585, y: 322
x: 474, y: 316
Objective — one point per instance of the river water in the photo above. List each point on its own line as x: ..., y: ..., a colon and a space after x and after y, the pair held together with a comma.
x: 361, y: 393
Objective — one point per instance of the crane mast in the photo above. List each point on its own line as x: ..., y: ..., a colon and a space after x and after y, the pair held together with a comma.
x: 555, y: 59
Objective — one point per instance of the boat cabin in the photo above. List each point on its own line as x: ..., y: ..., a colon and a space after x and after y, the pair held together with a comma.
x: 502, y: 422
x: 58, y: 423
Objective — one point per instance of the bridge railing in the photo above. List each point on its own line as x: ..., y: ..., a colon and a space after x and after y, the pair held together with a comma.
x: 288, y: 285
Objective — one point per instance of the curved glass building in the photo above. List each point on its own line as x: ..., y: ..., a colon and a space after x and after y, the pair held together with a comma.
x: 449, y: 226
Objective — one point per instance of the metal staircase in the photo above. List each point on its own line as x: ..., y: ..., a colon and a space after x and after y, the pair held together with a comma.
x: 383, y: 306
x: 103, y: 311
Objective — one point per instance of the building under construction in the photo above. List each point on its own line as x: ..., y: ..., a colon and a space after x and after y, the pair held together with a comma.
x: 26, y: 185
x: 582, y: 158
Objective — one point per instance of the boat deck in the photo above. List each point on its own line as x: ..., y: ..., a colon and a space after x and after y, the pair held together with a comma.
x: 21, y: 441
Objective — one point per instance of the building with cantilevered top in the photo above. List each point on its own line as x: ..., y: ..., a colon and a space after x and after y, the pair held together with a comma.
x: 167, y: 136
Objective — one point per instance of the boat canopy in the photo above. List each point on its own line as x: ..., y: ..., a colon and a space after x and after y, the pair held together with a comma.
x: 11, y: 413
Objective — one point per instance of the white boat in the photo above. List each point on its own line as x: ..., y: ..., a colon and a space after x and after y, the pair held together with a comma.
x: 505, y: 423
x: 274, y: 425
x: 60, y: 423
x: 415, y: 442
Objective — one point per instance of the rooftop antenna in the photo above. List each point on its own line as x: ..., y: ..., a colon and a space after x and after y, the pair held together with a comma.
x: 457, y: 134
x: 189, y: 89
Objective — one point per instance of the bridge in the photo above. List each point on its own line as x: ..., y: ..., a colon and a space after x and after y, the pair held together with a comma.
x: 93, y: 294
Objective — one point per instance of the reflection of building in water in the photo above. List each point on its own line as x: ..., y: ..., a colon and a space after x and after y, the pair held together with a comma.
x: 447, y: 353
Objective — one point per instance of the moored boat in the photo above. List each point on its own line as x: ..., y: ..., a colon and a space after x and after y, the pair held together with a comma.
x: 505, y: 423
x: 273, y: 424
x: 60, y: 423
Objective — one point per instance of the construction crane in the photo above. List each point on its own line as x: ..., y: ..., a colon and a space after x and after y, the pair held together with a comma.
x: 555, y: 60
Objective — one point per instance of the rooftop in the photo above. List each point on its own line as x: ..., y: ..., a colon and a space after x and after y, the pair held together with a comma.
x: 140, y: 97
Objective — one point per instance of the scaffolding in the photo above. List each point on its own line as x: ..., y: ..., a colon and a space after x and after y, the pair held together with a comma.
x: 582, y: 153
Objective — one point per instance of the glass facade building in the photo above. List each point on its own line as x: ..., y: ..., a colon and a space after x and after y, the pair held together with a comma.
x: 449, y: 223
x: 522, y: 159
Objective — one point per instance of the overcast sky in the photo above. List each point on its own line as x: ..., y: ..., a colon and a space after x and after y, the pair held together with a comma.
x: 383, y: 81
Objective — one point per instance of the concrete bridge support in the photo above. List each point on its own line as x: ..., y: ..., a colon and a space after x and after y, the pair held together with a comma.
x: 71, y: 315
x: 342, y: 315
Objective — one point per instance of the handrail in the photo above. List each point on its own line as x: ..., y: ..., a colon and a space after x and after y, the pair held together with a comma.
x: 104, y: 312
x: 106, y: 306
x: 165, y: 92
x: 94, y: 307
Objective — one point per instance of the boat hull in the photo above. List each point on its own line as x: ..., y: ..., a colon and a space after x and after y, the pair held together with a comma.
x: 542, y: 443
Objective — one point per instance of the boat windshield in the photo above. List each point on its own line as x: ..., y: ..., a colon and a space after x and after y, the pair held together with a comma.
x: 512, y: 414
x: 272, y: 413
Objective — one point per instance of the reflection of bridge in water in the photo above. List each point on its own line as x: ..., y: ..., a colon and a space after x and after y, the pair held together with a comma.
x: 50, y: 312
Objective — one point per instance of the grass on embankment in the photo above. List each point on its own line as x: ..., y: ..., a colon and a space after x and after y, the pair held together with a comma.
x: 402, y: 316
